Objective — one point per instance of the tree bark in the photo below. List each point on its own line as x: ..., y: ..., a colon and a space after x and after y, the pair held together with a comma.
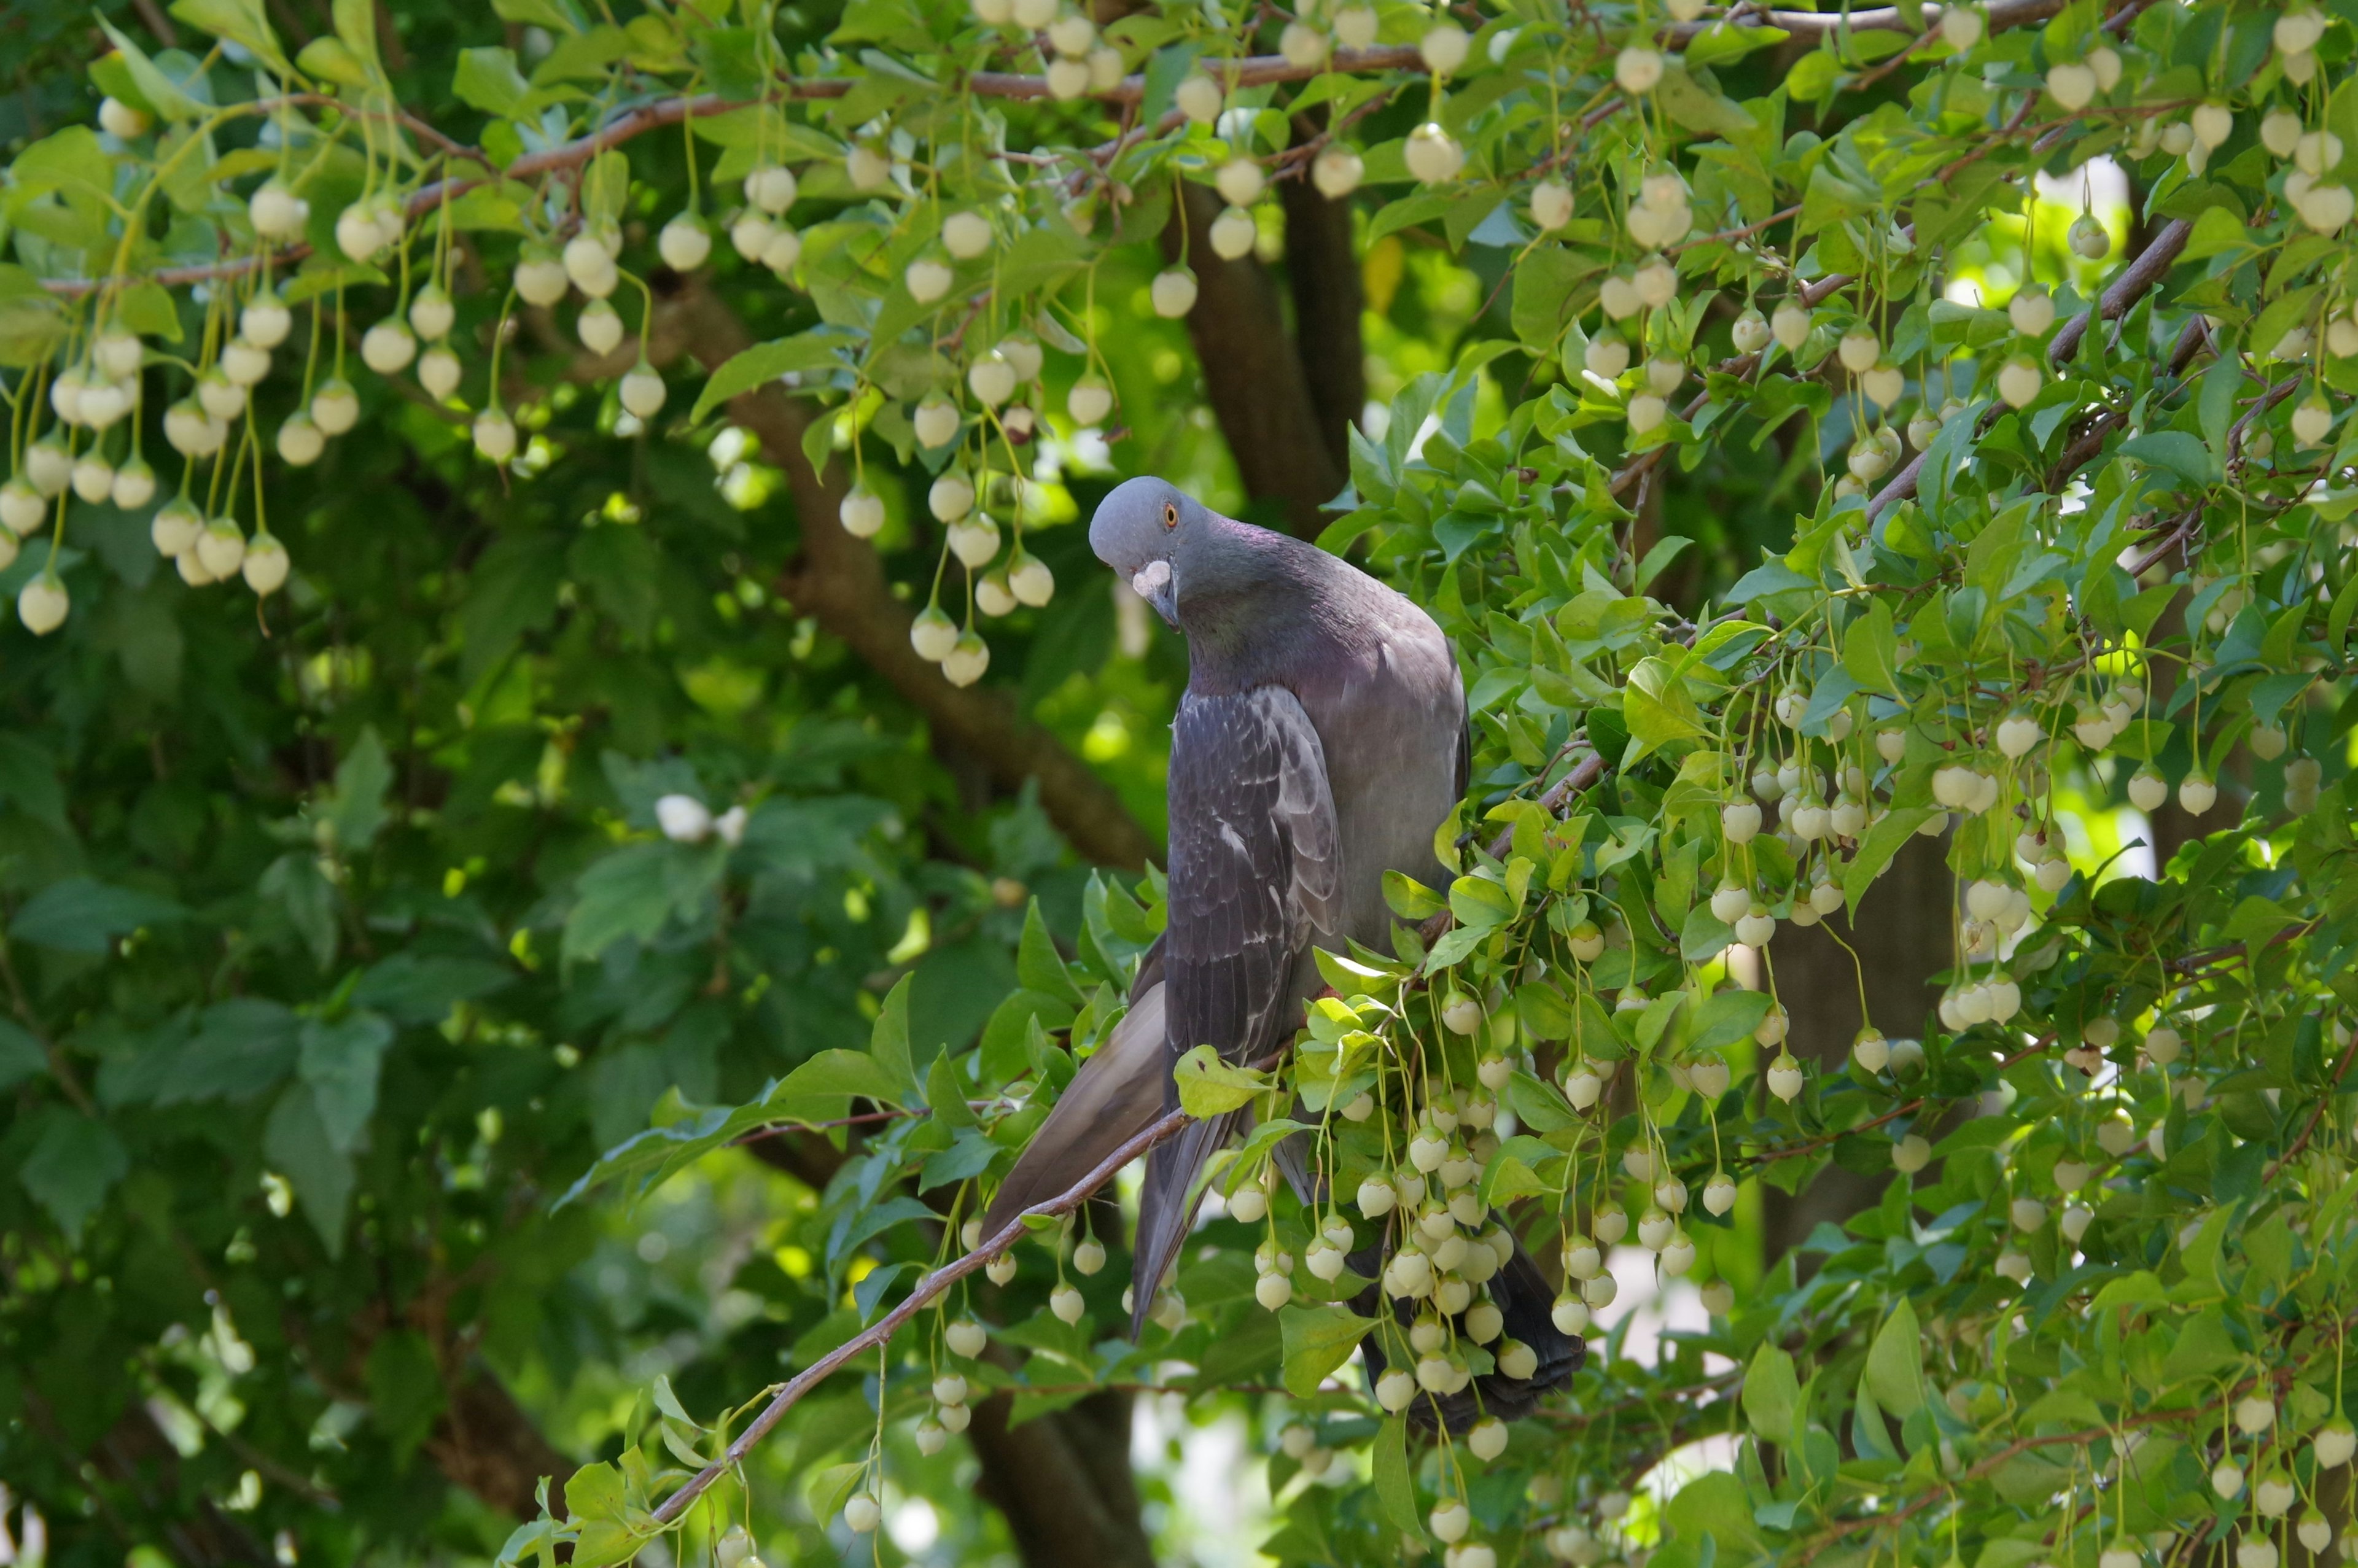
x: 1253, y: 375
x: 485, y: 1443
x: 839, y: 582
x: 1903, y: 938
x: 1062, y: 1482
x: 1322, y: 271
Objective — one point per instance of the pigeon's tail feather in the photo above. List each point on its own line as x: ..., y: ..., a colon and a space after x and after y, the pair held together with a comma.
x: 1117, y: 1094
x: 1166, y: 1211
x: 1528, y: 1308
x: 1520, y: 1293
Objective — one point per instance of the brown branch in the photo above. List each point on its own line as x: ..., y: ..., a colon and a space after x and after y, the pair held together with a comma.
x: 923, y: 1295
x: 839, y: 582
x: 2124, y: 292
x: 2126, y: 289
x: 1322, y: 272
x: 1253, y: 377
x: 2316, y: 1114
x: 2170, y: 541
x: 485, y: 1442
x: 1063, y: 1481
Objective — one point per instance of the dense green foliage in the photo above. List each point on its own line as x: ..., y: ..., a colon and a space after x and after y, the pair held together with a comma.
x: 396, y: 821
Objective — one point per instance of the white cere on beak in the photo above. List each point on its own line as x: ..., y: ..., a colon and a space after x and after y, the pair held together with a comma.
x: 1151, y: 579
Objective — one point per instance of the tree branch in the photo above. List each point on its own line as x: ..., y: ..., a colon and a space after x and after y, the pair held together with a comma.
x: 1252, y: 376
x: 926, y: 1291
x: 1062, y: 1482
x: 485, y: 1442
x: 1321, y: 271
x: 839, y: 582
x: 2124, y: 292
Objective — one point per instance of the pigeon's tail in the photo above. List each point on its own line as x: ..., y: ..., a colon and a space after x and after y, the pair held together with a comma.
x: 1166, y: 1207
x: 1520, y: 1293
x: 1117, y: 1094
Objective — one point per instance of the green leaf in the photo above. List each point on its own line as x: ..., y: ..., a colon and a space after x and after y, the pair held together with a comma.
x: 340, y: 1062
x: 1352, y: 977
x: 888, y: 1042
x: 356, y: 28
x: 1726, y: 1017
x: 328, y: 60
x: 946, y: 1093
x: 1664, y: 551
x: 355, y: 809
x: 1038, y: 964
x: 21, y: 1056
x: 1318, y: 1339
x: 1209, y: 1087
x: 1410, y: 898
x: 2140, y: 1289
x: 158, y: 93
x: 1772, y: 1394
x: 553, y: 15
x: 1871, y: 650
x: 2216, y: 230
x: 414, y: 988
x: 73, y: 1163
x: 1771, y: 577
x: 1723, y: 41
x: 82, y: 915
x: 240, y: 21
x: 824, y: 1083
x: 1698, y: 108
x: 405, y: 1386
x: 1658, y: 709
x: 2257, y: 920
x: 1882, y: 842
x: 2176, y: 451
x: 1480, y: 904
x: 1544, y: 1013
x: 487, y: 79
x: 635, y: 890
x: 1513, y: 1171
x: 869, y: 1292
x: 1895, y: 1364
x: 1395, y: 1482
x: 817, y: 349
x: 1703, y: 936
x: 1543, y: 284
x: 1538, y: 1105
x: 296, y: 1145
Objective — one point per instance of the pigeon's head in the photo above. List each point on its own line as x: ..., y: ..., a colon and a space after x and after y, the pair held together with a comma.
x: 1150, y: 531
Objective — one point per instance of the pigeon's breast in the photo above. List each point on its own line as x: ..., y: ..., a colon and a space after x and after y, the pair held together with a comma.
x: 1391, y: 725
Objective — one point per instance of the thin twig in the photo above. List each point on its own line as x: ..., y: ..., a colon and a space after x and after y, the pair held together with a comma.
x: 926, y: 1290
x: 2125, y: 291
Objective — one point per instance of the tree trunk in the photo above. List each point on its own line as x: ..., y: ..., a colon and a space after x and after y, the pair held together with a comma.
x: 1253, y: 375
x: 839, y: 582
x: 1323, y: 274
x: 485, y: 1442
x: 1902, y: 937
x: 1062, y: 1482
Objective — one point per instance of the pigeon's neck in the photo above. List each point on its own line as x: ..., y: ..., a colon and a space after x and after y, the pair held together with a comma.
x: 1265, y: 612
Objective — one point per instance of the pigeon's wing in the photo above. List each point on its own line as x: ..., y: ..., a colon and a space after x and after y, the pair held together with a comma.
x: 1256, y: 874
x: 1117, y: 1094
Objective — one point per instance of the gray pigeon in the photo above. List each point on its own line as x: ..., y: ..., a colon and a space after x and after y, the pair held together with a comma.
x: 1320, y: 742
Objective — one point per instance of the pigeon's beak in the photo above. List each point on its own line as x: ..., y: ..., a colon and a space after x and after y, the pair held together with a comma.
x: 1154, y: 583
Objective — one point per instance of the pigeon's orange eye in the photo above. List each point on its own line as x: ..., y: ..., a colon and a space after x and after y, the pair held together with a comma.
x: 1170, y: 516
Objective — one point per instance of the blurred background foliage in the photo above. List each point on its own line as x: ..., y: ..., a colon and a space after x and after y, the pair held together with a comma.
x: 351, y: 836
